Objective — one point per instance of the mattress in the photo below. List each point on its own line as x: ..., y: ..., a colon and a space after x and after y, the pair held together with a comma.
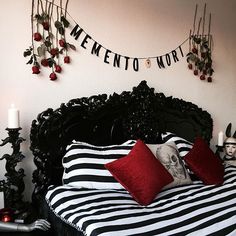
x: 195, y: 209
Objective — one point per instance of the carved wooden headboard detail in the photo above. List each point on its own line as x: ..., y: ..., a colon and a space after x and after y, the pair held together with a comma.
x: 101, y: 119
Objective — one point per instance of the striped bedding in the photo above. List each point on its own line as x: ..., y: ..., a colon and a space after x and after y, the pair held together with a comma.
x: 193, y: 209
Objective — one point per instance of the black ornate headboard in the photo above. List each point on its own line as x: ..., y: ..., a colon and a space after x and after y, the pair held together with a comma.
x: 102, y: 120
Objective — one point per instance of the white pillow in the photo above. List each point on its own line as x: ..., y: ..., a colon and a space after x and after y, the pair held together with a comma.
x: 84, y: 164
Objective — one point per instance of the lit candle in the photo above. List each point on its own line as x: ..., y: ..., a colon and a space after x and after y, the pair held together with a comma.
x: 1, y: 200
x: 13, y: 117
x: 220, y: 138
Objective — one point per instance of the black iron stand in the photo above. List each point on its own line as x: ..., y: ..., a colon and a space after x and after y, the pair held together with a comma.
x: 14, y: 178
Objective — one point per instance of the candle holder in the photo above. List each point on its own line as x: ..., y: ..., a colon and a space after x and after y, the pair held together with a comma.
x: 219, y: 150
x: 14, y: 178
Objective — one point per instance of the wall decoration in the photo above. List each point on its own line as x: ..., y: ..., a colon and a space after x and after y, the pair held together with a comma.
x: 49, y: 45
x: 199, y: 57
x: 116, y: 59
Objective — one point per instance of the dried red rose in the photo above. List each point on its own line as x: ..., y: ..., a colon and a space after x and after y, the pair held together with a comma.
x: 44, y: 62
x: 67, y: 59
x: 202, y: 77
x: 62, y: 43
x: 37, y: 36
x: 54, y: 51
x: 190, y: 66
x: 58, y: 69
x: 35, y: 70
x: 45, y: 25
x: 194, y: 50
x: 209, y: 79
x: 53, y: 76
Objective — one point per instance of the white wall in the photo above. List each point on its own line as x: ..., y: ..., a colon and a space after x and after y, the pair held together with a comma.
x: 137, y: 28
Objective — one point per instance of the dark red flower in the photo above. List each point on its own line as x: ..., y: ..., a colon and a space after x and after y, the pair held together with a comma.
x: 37, y: 36
x: 62, y: 43
x: 58, y: 69
x: 45, y: 25
x: 195, y: 72
x: 35, y: 70
x: 67, y: 59
x: 209, y: 79
x: 202, y: 77
x: 203, y: 54
x: 44, y: 62
x: 194, y: 50
x: 190, y: 66
x: 54, y: 51
x: 53, y: 76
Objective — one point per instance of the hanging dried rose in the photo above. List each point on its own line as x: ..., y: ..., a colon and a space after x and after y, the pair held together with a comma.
x: 202, y: 77
x: 53, y: 76
x: 209, y: 79
x: 45, y: 25
x: 67, y: 59
x: 37, y: 36
x: 54, y: 51
x: 195, y: 72
x: 58, y: 69
x: 35, y: 70
x: 190, y: 66
x: 62, y: 43
x: 44, y: 62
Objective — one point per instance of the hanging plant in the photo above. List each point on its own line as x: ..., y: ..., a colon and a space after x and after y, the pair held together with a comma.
x: 199, y: 57
x: 49, y: 42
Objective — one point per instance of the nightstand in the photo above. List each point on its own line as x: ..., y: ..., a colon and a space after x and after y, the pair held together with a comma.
x: 31, y: 217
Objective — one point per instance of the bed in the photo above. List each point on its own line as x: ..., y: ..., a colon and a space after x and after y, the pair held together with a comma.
x: 102, y: 167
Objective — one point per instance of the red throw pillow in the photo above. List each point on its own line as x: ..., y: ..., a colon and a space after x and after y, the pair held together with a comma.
x: 141, y: 174
x: 204, y: 163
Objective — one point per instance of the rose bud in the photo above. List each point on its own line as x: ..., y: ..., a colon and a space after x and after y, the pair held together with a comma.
x: 203, y: 54
x: 194, y: 50
x: 37, y: 36
x: 67, y: 59
x: 202, y: 77
x: 53, y: 76
x: 58, y: 69
x: 190, y: 66
x: 44, y: 62
x: 54, y: 51
x: 45, y: 25
x: 62, y: 43
x: 35, y: 70
x: 195, y: 72
x: 209, y: 79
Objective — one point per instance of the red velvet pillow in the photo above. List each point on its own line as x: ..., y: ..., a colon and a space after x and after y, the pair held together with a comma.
x: 204, y: 163
x: 141, y: 174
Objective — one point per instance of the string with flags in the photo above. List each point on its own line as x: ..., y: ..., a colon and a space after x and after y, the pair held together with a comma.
x: 44, y: 17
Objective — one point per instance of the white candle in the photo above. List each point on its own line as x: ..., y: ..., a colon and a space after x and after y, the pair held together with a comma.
x: 220, y: 138
x: 1, y: 200
x: 13, y: 117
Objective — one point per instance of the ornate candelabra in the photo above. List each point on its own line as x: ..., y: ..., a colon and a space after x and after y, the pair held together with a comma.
x: 14, y: 178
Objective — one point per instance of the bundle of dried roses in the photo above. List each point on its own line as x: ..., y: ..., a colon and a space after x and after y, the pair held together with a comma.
x: 49, y: 45
x: 199, y: 57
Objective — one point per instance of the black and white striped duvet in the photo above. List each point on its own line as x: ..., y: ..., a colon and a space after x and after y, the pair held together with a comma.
x: 185, y: 210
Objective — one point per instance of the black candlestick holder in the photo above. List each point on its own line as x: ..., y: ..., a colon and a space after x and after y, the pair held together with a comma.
x: 14, y: 178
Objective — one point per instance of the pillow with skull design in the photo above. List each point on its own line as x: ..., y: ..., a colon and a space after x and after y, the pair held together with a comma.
x: 168, y: 155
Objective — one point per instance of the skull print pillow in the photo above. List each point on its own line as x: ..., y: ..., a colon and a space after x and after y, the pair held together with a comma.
x: 168, y: 155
